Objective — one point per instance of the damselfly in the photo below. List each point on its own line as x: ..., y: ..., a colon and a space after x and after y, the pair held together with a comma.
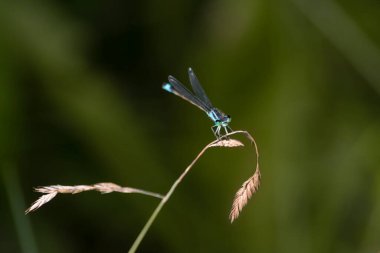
x: 200, y: 100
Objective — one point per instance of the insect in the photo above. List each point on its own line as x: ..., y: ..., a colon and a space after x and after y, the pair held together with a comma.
x: 200, y: 100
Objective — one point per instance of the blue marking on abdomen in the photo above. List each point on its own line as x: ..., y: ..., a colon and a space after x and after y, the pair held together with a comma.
x: 167, y: 87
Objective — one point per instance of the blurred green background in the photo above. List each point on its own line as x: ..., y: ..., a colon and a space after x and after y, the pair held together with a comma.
x: 81, y: 102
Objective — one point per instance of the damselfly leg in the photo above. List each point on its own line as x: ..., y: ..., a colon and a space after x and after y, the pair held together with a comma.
x: 227, y: 129
x: 217, y: 128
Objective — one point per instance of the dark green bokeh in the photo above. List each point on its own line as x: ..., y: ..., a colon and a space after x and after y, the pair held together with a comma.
x: 81, y: 103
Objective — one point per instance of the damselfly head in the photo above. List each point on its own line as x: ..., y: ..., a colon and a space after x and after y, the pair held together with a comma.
x: 226, y: 120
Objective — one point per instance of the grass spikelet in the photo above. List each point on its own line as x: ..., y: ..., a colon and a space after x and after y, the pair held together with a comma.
x: 41, y: 201
x: 51, y: 191
x: 230, y: 143
x: 245, y: 192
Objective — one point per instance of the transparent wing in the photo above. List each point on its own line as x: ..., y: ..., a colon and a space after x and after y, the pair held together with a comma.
x: 177, y: 88
x: 197, y: 88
